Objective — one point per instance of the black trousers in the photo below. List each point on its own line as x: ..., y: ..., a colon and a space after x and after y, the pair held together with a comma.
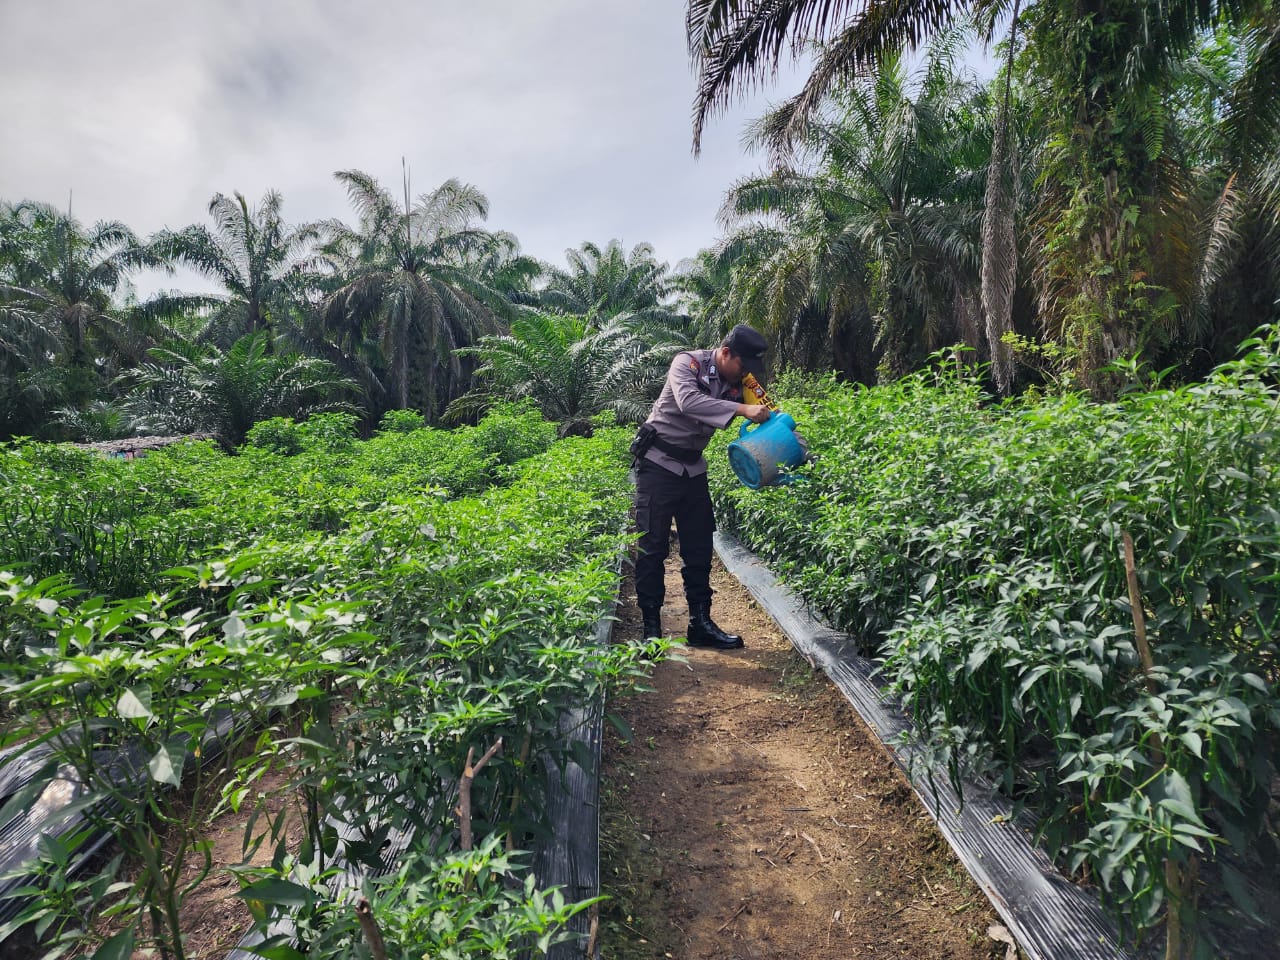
x: 662, y: 496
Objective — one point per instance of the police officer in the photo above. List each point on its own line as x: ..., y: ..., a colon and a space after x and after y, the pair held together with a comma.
x: 702, y: 393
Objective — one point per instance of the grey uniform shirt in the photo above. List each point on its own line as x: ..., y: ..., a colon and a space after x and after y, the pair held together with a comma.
x: 694, y: 403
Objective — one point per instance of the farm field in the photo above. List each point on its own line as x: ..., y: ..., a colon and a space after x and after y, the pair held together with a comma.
x: 1075, y: 600
x: 330, y: 348
x: 364, y: 623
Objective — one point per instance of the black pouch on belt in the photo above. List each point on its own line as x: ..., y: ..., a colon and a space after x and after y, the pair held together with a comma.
x: 643, y: 440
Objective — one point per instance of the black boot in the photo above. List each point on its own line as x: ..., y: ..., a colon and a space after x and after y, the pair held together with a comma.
x: 652, y: 621
x: 703, y: 631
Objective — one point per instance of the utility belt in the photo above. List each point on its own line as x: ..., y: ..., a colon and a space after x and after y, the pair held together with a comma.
x: 647, y: 436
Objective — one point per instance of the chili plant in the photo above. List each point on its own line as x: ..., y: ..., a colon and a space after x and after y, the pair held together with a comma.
x: 132, y: 695
x: 977, y: 549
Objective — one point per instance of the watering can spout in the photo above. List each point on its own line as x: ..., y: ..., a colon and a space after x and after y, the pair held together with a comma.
x: 762, y: 451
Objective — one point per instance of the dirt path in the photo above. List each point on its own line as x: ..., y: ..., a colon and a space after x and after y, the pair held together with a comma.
x: 753, y: 816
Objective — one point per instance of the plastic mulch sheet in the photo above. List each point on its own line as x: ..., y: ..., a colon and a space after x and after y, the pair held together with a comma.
x: 58, y: 810
x: 571, y: 858
x: 1050, y: 917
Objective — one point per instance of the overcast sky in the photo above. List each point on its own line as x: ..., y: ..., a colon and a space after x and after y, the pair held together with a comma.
x: 571, y: 116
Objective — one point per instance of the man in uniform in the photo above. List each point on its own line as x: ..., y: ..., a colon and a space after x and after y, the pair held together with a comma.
x: 702, y: 393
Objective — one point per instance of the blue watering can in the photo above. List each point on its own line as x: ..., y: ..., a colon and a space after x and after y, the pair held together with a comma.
x: 758, y: 455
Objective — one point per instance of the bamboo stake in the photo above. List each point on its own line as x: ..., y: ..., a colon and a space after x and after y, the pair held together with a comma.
x: 737, y: 913
x: 1139, y: 619
x: 464, y: 790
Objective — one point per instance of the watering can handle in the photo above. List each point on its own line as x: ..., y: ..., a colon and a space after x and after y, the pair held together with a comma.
x: 742, y: 430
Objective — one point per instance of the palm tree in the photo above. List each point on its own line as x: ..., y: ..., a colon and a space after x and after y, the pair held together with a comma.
x: 189, y: 388
x: 571, y: 369
x: 873, y: 214
x: 407, y: 288
x: 257, y: 258
x: 502, y: 268
x: 62, y: 279
x: 1220, y: 220
x: 702, y: 286
x: 99, y: 420
x: 1097, y: 71
x: 604, y: 283
x: 62, y: 334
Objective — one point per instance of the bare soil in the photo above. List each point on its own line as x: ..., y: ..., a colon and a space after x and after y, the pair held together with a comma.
x: 214, y: 918
x: 753, y: 815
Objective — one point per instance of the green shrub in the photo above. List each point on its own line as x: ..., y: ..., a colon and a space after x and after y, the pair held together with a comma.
x: 401, y: 421
x: 280, y: 435
x: 329, y: 432
x: 512, y: 432
x: 319, y: 433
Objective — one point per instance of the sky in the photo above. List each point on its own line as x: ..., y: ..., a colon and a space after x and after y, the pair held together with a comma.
x: 571, y: 116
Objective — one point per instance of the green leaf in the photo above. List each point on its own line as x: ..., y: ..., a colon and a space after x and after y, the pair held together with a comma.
x: 1180, y: 809
x: 280, y: 951
x: 1177, y: 788
x: 284, y: 698
x: 1092, y: 671
x: 284, y: 893
x: 620, y: 725
x: 119, y: 947
x: 135, y: 704
x: 977, y: 658
x: 25, y: 796
x: 1238, y: 888
x: 1029, y: 680
x: 1193, y: 742
x: 582, y: 755
x: 1255, y: 681
x: 163, y: 768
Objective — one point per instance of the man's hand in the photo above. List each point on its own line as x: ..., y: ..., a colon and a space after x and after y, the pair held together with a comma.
x: 755, y: 412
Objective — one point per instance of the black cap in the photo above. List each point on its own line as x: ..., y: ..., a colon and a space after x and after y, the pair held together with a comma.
x: 750, y: 345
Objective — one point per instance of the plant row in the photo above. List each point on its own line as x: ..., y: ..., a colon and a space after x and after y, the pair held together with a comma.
x: 112, y: 525
x: 979, y: 551
x: 371, y: 662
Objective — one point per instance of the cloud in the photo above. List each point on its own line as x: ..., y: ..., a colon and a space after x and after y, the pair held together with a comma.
x: 572, y: 116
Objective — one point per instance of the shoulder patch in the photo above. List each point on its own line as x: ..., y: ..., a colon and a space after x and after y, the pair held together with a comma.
x: 693, y: 365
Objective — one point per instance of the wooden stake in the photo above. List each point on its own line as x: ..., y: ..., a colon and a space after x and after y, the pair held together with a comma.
x: 364, y: 913
x: 464, y: 791
x: 1179, y: 882
x: 1139, y: 619
x: 594, y: 931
